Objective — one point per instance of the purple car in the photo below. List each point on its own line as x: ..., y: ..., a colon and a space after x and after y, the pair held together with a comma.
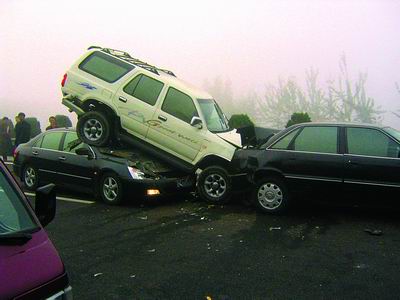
x: 30, y: 267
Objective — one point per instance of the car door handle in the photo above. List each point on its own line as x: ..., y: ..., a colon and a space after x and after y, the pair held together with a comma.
x: 35, y: 153
x: 123, y: 99
x: 162, y: 118
x: 62, y: 158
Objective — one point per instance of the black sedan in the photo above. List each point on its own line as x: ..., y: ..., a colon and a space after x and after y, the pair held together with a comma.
x: 58, y: 156
x: 310, y: 158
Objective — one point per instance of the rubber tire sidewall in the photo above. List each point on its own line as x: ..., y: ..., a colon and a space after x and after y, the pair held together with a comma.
x: 119, y: 199
x: 200, y: 185
x: 100, y: 117
x: 286, y: 201
x: 35, y: 186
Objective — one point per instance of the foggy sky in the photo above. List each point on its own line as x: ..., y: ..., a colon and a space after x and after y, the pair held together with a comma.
x: 251, y: 43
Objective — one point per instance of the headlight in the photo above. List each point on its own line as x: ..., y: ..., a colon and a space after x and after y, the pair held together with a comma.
x: 136, y: 173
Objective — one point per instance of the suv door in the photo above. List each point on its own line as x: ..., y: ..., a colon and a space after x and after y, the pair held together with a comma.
x: 136, y: 102
x: 76, y: 170
x: 313, y: 159
x: 172, y: 131
x: 371, y: 160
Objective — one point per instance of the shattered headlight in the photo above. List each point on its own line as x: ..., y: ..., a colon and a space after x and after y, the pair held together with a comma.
x: 136, y: 173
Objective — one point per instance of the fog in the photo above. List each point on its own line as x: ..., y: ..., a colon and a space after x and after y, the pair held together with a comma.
x: 250, y: 43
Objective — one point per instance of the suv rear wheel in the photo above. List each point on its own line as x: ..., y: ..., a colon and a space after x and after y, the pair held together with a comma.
x: 214, y: 185
x: 94, y: 129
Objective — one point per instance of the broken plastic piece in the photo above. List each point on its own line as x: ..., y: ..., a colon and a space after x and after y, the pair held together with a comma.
x: 373, y: 231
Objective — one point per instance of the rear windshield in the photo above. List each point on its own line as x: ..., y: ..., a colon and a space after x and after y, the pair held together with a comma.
x: 105, y: 66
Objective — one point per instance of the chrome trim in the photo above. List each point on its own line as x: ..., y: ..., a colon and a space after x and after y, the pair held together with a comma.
x: 313, y: 178
x: 336, y: 154
x: 372, y: 183
x: 48, y: 171
x: 82, y: 177
x: 369, y: 156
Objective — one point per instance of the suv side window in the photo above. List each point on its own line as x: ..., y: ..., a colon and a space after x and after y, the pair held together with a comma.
x: 105, y: 66
x: 284, y: 143
x: 72, y: 142
x: 370, y: 142
x: 52, y: 140
x: 179, y: 105
x: 144, y: 88
x: 317, y: 139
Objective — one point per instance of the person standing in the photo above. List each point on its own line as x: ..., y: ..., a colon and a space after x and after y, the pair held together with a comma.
x: 5, y: 138
x: 53, y: 123
x: 22, y: 130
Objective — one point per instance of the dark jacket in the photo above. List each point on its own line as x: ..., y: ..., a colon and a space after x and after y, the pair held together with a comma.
x: 5, y: 139
x: 22, y: 133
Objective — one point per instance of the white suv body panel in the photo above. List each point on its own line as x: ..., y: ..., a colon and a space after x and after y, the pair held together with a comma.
x: 141, y: 119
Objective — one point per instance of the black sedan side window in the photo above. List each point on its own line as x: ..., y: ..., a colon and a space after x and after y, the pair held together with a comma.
x: 52, y: 140
x: 321, y: 139
x: 371, y: 142
x: 284, y: 143
x: 72, y: 142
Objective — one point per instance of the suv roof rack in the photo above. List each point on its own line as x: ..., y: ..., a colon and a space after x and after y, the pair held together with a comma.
x: 126, y: 57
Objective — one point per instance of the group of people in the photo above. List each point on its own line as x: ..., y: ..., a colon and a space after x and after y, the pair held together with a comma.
x: 22, y: 133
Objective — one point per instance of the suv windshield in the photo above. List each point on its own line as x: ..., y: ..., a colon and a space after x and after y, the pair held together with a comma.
x: 215, y: 119
x: 13, y: 215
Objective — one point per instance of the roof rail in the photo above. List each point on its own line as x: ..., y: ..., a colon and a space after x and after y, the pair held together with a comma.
x: 126, y: 57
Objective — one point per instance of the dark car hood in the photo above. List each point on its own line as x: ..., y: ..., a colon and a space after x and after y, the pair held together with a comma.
x: 23, y: 268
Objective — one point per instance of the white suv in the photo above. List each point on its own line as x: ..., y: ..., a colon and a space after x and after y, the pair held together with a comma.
x: 119, y: 97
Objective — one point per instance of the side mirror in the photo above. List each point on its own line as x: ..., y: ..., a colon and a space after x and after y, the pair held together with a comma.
x: 45, y: 203
x: 196, y: 122
x: 84, y: 152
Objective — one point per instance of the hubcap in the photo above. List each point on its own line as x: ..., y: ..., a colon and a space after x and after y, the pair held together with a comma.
x: 110, y: 189
x: 92, y: 129
x: 215, y: 185
x: 270, y: 196
x: 30, y: 177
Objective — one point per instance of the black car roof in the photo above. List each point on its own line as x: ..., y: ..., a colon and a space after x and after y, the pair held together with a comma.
x: 341, y: 124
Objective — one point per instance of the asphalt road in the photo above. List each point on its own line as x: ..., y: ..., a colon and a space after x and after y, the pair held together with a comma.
x: 180, y: 249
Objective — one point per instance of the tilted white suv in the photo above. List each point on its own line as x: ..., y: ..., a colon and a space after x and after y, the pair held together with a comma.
x: 119, y: 97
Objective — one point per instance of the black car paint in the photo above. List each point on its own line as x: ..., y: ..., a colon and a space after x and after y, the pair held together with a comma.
x: 83, y: 173
x: 323, y: 172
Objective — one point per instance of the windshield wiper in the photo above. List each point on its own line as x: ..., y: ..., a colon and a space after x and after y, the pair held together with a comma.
x: 17, y: 238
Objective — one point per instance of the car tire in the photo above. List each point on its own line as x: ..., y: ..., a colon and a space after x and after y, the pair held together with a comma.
x: 30, y: 177
x: 214, y: 185
x: 94, y: 129
x: 271, y: 195
x: 110, y: 189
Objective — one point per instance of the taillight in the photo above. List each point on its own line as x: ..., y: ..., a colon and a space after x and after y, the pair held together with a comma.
x: 64, y: 80
x: 15, y: 154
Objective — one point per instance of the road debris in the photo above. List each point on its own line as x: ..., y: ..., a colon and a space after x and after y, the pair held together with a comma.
x: 97, y: 274
x: 274, y: 228
x: 376, y: 232
x: 151, y: 250
x: 132, y: 276
x: 143, y: 218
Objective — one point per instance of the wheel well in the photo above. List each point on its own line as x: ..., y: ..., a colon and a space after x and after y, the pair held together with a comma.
x: 95, y: 105
x: 212, y: 160
x: 264, y: 173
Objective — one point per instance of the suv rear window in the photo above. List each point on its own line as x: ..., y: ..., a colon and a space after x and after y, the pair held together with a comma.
x: 144, y: 88
x: 105, y: 66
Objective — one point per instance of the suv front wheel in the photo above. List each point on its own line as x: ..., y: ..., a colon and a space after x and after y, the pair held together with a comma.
x: 93, y: 128
x: 214, y: 185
